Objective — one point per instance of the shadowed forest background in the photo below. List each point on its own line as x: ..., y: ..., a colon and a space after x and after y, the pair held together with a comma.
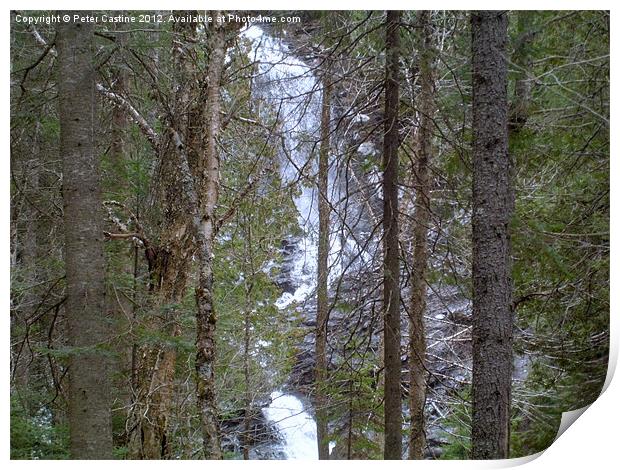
x: 306, y: 235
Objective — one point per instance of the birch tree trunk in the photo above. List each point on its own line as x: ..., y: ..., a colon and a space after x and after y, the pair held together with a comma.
x: 208, y: 195
x: 492, y: 209
x: 90, y: 423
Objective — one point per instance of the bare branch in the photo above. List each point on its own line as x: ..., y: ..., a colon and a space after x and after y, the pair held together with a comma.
x: 135, y: 116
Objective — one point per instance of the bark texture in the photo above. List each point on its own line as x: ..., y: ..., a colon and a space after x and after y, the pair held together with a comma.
x: 492, y: 208
x: 90, y: 421
x: 391, y: 290
x: 322, y: 312
x: 208, y: 195
x: 188, y: 185
x: 422, y: 219
x: 169, y: 264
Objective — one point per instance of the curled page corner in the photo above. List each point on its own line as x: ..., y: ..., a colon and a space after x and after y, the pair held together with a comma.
x: 522, y: 460
x: 568, y: 418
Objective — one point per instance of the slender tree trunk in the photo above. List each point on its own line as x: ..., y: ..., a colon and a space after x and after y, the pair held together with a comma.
x: 205, y: 315
x: 422, y: 219
x: 90, y: 423
x: 322, y: 308
x: 247, y: 415
x: 391, y: 265
x: 250, y: 271
x: 492, y: 209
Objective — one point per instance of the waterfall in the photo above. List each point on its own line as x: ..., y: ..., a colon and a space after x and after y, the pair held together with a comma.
x: 292, y: 91
x: 289, y: 88
x: 296, y: 426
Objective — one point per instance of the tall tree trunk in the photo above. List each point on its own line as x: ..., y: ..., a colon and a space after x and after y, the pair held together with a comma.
x: 422, y: 218
x: 122, y: 257
x: 169, y: 265
x: 208, y: 195
x: 90, y: 423
x: 391, y: 265
x: 492, y: 209
x: 322, y: 309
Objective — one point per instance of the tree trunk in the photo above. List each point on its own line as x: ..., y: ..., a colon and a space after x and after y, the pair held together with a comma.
x: 169, y: 265
x: 492, y: 208
x: 391, y: 270
x: 90, y: 423
x: 208, y: 196
x: 422, y: 219
x: 122, y: 257
x: 247, y: 343
x: 247, y: 415
x: 322, y: 309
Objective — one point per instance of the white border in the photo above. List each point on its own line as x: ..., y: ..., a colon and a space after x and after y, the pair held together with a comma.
x: 589, y: 444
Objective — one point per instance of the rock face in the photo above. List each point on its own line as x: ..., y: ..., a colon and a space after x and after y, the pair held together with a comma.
x: 285, y: 279
x: 448, y: 356
x: 263, y: 436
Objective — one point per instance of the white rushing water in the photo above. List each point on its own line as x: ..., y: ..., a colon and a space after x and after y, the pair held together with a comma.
x: 296, y: 426
x: 293, y: 93
x: 287, y: 85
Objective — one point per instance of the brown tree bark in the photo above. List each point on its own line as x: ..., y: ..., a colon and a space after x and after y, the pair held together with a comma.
x: 492, y: 210
x: 391, y: 266
x: 169, y: 265
x: 421, y: 222
x: 322, y: 309
x: 90, y: 423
